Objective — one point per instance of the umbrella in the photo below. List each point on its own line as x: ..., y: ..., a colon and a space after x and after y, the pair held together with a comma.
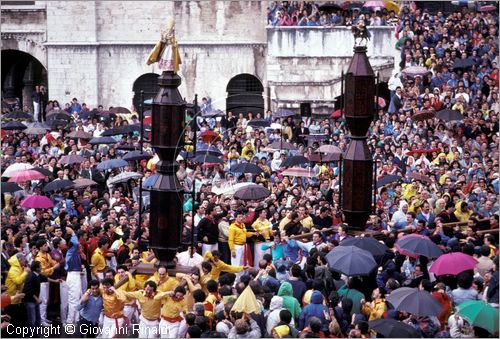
x: 479, y: 314
x: 316, y: 137
x: 351, y: 260
x: 37, y: 201
x: 26, y: 175
x: 258, y: 123
x: 380, y: 101
x: 419, y: 177
x: 125, y: 129
x: 366, y: 243
x: 110, y: 164
x: 10, y: 187
x: 119, y: 109
x: 137, y: 155
x: 423, y: 115
x: 102, y: 141
x: 329, y: 7
x: 150, y: 180
x: 80, y: 135
x: 388, y: 179
x: 392, y: 328
x: 58, y: 185
x: 415, y: 245
x: 71, y: 159
x: 453, y: 264
x: 463, y: 64
x: 44, y: 171
x: 298, y: 172
x: 449, y: 115
x: 392, y: 6
x: 124, y: 177
x: 323, y: 158
x: 330, y: 149
x: 488, y: 8
x: 54, y: 112
x: 374, y: 4
x: 294, y: 160
x: 37, y: 129
x: 252, y: 192
x: 213, y: 114
x: 415, y: 301
x: 83, y: 182
x: 246, y: 167
x: 246, y: 302
x: 413, y: 71
x: 59, y: 116
x: 147, y: 113
x: 57, y: 122
x: 12, y: 169
x: 18, y: 115
x: 230, y: 189
x: 336, y: 114
x: 285, y: 113
x: 13, y: 125
x: 126, y: 147
x: 207, y: 158
x: 206, y: 149
x: 281, y: 145
x: 209, y: 136
x: 148, y: 120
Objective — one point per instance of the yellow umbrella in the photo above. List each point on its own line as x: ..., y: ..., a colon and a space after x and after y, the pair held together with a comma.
x: 246, y: 302
x: 392, y: 6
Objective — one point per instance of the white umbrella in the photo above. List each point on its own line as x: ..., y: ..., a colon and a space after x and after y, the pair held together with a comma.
x: 229, y: 188
x: 12, y: 169
x: 298, y: 172
x: 124, y: 177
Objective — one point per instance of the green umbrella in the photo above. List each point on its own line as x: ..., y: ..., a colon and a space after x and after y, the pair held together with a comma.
x: 479, y: 314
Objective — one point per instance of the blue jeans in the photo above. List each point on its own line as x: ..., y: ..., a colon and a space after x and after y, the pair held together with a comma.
x: 33, y: 313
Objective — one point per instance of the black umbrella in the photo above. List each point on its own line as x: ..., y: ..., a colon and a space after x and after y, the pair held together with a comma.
x: 102, y: 141
x: 252, y: 192
x: 258, y: 123
x: 58, y: 185
x: 18, y: 115
x: 280, y: 145
x: 71, y: 159
x: 50, y: 113
x: 205, y: 149
x: 126, y: 147
x: 246, y: 167
x: 351, y: 260
x: 10, y: 187
x: 463, y: 64
x: 388, y: 179
x: 213, y: 114
x: 415, y: 301
x: 137, y: 155
x: 449, y: 115
x: 80, y: 135
x: 57, y: 122
x: 417, y: 245
x: 125, y: 129
x: 59, y: 116
x: 13, y: 125
x: 392, y: 328
x: 294, y: 161
x: 283, y: 113
x: 44, y: 171
x: 366, y: 243
x: 329, y: 7
x: 207, y: 158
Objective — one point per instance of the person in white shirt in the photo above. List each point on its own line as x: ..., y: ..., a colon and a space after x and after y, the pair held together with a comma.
x: 185, y: 259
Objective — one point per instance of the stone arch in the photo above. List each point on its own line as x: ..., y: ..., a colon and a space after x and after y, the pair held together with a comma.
x: 147, y: 82
x: 27, y: 43
x: 21, y: 72
x: 244, y: 94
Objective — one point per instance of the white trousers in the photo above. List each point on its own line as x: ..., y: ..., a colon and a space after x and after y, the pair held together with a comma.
x: 259, y: 253
x: 112, y: 328
x: 131, y: 312
x: 148, y: 328
x: 44, y: 295
x: 36, y: 107
x: 63, y: 294
x: 239, y: 259
x: 208, y: 247
x: 74, y: 282
x: 168, y: 329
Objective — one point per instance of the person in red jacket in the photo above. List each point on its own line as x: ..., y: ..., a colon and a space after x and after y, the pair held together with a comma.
x: 440, y: 294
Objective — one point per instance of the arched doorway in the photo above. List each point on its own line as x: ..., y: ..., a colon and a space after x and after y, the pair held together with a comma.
x: 148, y: 83
x: 244, y: 94
x: 21, y: 72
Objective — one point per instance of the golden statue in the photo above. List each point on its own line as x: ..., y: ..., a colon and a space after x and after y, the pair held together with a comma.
x: 166, y: 51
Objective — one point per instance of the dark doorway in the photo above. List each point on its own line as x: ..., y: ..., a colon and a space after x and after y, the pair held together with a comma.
x: 149, y: 84
x: 21, y: 72
x: 244, y: 94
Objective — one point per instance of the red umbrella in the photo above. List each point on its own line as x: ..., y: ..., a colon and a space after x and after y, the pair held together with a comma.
x: 322, y: 158
x: 337, y: 114
x: 148, y: 120
x: 37, y: 201
x: 381, y: 101
x: 423, y: 115
x: 453, y: 264
x: 419, y: 176
x: 420, y: 151
x: 27, y: 175
x: 209, y: 136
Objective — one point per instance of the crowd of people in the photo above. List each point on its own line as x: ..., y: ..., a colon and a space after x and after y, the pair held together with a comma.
x: 260, y: 267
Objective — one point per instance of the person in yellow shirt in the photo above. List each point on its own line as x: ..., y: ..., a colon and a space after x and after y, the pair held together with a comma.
x: 130, y: 308
x: 375, y: 310
x: 16, y: 276
x: 48, y: 266
x: 264, y: 227
x: 98, y: 261
x: 305, y: 219
x: 115, y: 322
x: 174, y: 306
x: 237, y: 241
x: 192, y: 281
x: 150, y: 309
x: 163, y: 282
x: 217, y: 266
x: 248, y: 151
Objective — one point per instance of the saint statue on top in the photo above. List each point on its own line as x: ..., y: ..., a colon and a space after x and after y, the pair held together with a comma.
x: 166, y: 51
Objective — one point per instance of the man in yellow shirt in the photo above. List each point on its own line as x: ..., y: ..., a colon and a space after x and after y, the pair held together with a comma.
x: 130, y: 308
x: 48, y: 266
x: 264, y: 227
x: 150, y: 309
x: 376, y: 309
x: 218, y: 266
x: 173, y: 306
x: 163, y: 282
x: 305, y: 219
x: 115, y: 322
x: 237, y: 241
x: 98, y: 261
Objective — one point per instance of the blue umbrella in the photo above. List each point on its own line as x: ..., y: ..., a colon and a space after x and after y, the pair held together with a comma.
x: 206, y: 149
x: 351, y: 260
x: 137, y: 155
x: 150, y: 180
x: 207, y: 158
x: 110, y: 164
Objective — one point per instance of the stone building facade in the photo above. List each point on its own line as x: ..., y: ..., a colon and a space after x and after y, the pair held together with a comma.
x: 96, y: 51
